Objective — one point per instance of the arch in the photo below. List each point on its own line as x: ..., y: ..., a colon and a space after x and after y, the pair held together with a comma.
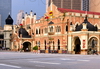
x: 92, y: 45
x: 27, y: 46
x: 77, y: 43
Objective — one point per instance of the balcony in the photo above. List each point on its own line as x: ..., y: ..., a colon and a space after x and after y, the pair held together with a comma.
x: 51, y: 33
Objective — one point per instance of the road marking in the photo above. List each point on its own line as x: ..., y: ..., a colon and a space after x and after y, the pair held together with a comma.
x: 39, y: 66
x: 66, y: 59
x: 83, y: 60
x: 10, y: 66
x: 45, y: 62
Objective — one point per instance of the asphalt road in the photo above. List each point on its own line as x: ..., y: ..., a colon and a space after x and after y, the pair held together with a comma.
x: 17, y: 60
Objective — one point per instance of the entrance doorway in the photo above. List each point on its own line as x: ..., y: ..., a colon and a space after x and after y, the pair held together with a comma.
x: 27, y: 46
x: 77, y: 47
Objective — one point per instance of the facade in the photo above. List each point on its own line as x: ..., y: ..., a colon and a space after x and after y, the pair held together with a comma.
x: 59, y: 31
x: 20, y: 15
x: 94, y: 5
x: 70, y: 4
x: 5, y: 9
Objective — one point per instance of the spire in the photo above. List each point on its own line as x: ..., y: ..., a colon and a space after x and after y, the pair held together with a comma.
x: 85, y: 20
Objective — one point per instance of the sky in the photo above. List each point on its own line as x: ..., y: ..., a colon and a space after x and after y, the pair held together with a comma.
x: 37, y: 6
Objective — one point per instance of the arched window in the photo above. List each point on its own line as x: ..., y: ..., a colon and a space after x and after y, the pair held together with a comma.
x: 36, y: 31
x: 66, y: 28
x: 59, y: 29
x: 53, y: 46
x: 58, y: 44
x: 51, y: 29
x: 46, y: 30
x: 45, y: 44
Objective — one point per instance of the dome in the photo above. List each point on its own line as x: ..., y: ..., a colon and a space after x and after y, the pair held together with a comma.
x: 24, y: 33
x: 51, y: 23
x: 9, y: 20
x: 90, y: 27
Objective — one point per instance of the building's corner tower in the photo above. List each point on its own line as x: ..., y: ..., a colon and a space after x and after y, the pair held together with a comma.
x: 8, y: 27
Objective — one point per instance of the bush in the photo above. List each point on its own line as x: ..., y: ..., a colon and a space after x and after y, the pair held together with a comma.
x: 35, y: 48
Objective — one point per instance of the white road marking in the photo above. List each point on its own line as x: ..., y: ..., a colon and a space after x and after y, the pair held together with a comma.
x: 39, y: 66
x: 10, y: 66
x: 83, y: 60
x: 45, y: 62
x: 75, y: 59
x: 66, y: 59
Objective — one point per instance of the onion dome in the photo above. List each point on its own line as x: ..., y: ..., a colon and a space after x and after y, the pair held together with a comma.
x: 9, y: 20
x: 24, y: 33
x: 34, y: 13
x: 89, y: 26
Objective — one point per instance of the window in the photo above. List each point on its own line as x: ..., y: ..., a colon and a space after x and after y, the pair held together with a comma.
x: 58, y: 44
x: 58, y: 29
x: 46, y: 30
x: 66, y: 28
x: 36, y: 31
x: 51, y: 29
x: 39, y: 31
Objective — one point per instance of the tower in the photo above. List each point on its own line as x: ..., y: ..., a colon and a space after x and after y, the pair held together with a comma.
x: 8, y: 31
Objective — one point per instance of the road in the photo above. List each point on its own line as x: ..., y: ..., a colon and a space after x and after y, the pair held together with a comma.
x: 17, y: 60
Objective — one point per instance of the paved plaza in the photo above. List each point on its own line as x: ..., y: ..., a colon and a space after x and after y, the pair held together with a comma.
x: 26, y: 60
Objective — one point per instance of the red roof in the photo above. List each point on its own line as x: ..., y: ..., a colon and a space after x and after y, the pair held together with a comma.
x: 77, y: 11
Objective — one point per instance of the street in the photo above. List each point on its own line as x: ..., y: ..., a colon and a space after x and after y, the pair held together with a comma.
x: 27, y: 60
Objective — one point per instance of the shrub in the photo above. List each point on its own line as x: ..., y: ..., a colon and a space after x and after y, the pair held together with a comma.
x: 35, y: 48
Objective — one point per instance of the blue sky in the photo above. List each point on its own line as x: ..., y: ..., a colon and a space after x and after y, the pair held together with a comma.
x: 38, y: 7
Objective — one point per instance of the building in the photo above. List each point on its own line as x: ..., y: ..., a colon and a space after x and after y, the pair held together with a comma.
x: 85, y: 5
x: 94, y: 5
x: 70, y: 4
x: 20, y: 15
x: 5, y: 9
x: 59, y: 31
